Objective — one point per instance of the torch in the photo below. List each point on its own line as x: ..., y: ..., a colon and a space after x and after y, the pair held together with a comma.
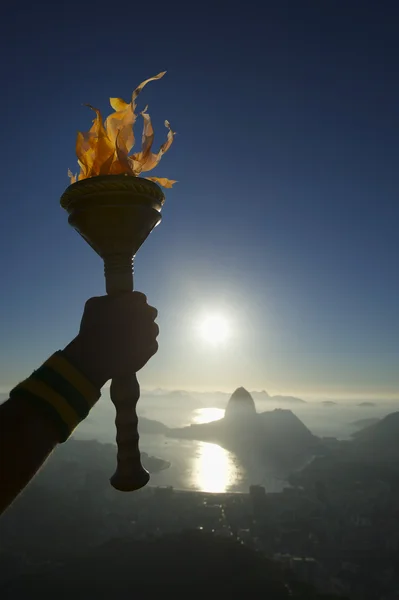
x: 115, y: 210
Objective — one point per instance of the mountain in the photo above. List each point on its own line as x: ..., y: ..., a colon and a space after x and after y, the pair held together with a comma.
x: 277, y: 436
x: 273, y: 422
x: 180, y: 394
x: 381, y: 440
x: 3, y: 397
x: 366, y: 404
x: 172, y: 398
x: 94, y: 456
x: 151, y: 426
x: 194, y: 396
x: 262, y: 395
x: 288, y: 399
x: 363, y: 423
x: 241, y: 404
x: 94, y: 422
x: 286, y: 437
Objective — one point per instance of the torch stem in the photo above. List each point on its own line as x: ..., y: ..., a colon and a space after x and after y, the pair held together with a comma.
x: 125, y: 391
x: 118, y: 272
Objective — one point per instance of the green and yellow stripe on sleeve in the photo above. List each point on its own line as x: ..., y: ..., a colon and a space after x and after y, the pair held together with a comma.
x: 62, y: 391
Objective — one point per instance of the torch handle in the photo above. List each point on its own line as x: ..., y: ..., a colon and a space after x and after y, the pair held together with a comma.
x: 130, y: 474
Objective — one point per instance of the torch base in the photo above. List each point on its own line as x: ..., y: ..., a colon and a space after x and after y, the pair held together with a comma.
x: 135, y: 481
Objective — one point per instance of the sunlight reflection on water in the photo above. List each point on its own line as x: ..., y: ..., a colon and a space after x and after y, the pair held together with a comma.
x: 213, y: 469
x: 206, y: 415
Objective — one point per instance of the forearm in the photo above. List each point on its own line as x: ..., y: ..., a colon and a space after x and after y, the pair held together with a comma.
x: 42, y: 412
x: 117, y: 336
x: 27, y: 437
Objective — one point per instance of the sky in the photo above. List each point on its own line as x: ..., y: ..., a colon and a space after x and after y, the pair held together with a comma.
x: 285, y: 216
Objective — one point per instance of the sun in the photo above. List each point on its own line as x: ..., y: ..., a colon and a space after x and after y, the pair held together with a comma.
x: 214, y: 329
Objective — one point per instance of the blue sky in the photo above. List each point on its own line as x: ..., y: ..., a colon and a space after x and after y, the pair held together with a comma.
x: 285, y: 217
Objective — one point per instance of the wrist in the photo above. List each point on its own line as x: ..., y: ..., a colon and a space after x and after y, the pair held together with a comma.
x: 77, y: 353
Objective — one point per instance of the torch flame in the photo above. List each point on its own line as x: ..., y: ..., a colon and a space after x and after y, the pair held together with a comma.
x: 104, y: 150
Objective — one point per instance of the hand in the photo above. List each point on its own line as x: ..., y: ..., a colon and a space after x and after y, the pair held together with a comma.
x: 117, y: 337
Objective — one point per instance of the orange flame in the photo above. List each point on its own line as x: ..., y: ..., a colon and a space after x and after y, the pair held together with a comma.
x: 104, y: 150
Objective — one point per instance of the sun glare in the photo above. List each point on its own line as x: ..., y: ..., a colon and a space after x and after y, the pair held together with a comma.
x: 214, y: 329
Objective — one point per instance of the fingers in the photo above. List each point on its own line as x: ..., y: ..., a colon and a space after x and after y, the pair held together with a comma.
x: 155, y: 330
x: 119, y: 332
x: 119, y: 311
x: 149, y: 334
x: 153, y: 312
x: 138, y: 301
x: 120, y: 303
x: 138, y: 298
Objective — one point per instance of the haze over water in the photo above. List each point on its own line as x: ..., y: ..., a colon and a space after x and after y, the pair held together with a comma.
x: 202, y: 466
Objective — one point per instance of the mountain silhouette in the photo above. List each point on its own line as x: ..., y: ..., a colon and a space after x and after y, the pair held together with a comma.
x: 287, y: 399
x: 362, y: 424
x: 261, y: 394
x: 380, y: 440
x: 195, y: 397
x: 91, y: 453
x: 151, y: 426
x: 241, y: 404
x: 277, y: 435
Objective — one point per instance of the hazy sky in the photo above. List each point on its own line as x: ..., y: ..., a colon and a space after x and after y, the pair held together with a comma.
x: 285, y: 217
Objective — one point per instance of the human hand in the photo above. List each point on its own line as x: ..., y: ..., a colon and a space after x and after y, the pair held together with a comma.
x: 117, y: 337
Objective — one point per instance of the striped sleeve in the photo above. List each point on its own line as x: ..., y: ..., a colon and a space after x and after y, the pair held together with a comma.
x: 62, y: 391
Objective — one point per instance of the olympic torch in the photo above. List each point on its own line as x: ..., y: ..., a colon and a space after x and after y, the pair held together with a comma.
x: 114, y: 210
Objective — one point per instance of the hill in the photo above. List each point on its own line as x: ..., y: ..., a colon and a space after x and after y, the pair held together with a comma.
x: 287, y: 399
x: 287, y: 440
x: 278, y: 399
x: 240, y: 405
x: 95, y: 457
x: 195, y: 398
x: 151, y: 426
x: 363, y: 423
x: 380, y: 440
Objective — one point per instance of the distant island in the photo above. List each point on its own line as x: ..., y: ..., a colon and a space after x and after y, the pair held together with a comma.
x: 329, y: 403
x: 368, y: 404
